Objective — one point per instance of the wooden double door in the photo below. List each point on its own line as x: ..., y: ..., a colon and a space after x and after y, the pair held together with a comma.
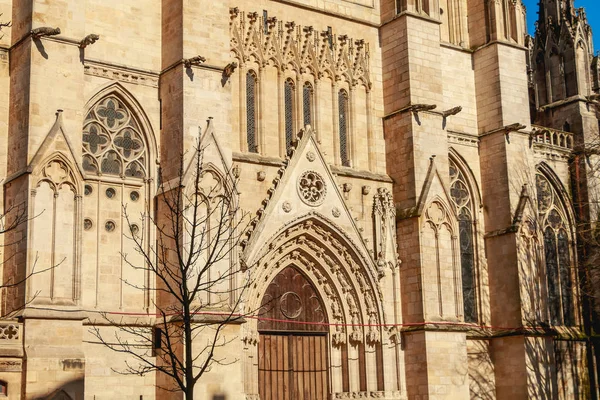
x: 293, y: 366
x: 292, y: 349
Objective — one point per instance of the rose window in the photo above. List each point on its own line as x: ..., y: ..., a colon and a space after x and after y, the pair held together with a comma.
x: 311, y: 188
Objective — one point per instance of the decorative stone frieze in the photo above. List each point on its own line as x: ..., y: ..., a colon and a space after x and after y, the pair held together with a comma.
x: 301, y: 48
x: 387, y: 395
x: 120, y: 74
x: 10, y: 332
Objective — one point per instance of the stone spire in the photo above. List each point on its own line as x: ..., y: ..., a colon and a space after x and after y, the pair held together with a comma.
x: 553, y: 15
x: 562, y: 53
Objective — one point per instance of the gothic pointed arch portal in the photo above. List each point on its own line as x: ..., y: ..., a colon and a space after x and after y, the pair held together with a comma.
x: 292, y: 350
x: 344, y: 324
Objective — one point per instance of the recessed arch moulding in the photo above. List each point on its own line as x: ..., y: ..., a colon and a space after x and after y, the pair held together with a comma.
x: 296, y: 228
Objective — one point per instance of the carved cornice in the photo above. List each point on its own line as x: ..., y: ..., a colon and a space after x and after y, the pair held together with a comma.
x: 551, y: 152
x: 463, y: 139
x: 121, y: 73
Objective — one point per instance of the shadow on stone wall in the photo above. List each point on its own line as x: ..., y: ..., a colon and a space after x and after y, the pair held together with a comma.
x: 72, y: 390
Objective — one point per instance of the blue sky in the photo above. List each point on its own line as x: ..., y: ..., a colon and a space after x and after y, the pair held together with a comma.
x: 592, y: 8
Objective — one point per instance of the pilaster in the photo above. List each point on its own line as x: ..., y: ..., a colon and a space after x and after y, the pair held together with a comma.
x: 417, y: 160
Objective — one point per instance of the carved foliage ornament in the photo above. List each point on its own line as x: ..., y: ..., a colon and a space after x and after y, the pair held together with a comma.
x: 384, y: 218
x: 300, y: 48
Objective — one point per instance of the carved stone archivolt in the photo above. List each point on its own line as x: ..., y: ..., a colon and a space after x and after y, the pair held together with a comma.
x: 351, y: 296
x: 303, y: 49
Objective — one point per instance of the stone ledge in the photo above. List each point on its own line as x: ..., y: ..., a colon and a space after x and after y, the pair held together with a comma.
x: 352, y: 173
x: 255, y: 158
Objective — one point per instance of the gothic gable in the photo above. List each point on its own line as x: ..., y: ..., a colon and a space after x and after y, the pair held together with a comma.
x: 215, y: 156
x: 304, y: 185
x: 56, y: 144
x: 434, y: 187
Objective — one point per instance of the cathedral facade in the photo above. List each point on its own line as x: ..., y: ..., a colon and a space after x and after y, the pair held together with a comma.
x: 419, y: 174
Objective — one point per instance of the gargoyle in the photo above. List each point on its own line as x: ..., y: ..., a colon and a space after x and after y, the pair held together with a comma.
x: 417, y: 108
x: 44, y: 31
x: 193, y: 61
x: 229, y: 69
x: 452, y: 111
x: 88, y: 40
x: 513, y: 127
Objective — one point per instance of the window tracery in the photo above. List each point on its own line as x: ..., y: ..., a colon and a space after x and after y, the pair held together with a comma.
x: 461, y: 198
x: 289, y: 112
x: 307, y: 103
x: 117, y: 147
x: 294, y: 50
x: 112, y: 141
x: 251, y: 91
x: 343, y: 127
x: 557, y: 253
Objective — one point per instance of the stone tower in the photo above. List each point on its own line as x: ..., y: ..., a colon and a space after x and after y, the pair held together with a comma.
x: 563, y: 95
x: 562, y: 55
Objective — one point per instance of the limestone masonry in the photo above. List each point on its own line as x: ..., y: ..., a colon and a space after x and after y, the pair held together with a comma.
x: 421, y: 177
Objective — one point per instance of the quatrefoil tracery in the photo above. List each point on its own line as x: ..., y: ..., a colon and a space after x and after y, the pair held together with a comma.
x: 112, y: 142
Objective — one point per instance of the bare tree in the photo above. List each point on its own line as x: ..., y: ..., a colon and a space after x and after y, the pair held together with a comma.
x: 198, y: 285
x: 4, y: 25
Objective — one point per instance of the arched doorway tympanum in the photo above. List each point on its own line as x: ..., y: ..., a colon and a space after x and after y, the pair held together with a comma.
x: 292, y: 350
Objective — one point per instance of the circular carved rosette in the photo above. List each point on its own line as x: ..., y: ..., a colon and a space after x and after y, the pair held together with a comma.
x: 311, y: 188
x: 290, y: 305
x: 286, y: 206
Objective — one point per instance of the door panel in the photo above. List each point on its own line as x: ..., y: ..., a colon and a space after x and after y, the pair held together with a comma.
x: 293, y: 367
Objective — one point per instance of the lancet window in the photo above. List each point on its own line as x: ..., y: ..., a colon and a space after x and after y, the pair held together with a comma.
x: 557, y: 253
x: 307, y: 103
x: 288, y: 94
x: 251, y: 111
x: 461, y: 196
x: 116, y: 142
x: 112, y: 141
x: 343, y: 127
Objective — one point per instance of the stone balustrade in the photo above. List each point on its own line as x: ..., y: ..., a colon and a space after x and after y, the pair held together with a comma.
x: 553, y: 137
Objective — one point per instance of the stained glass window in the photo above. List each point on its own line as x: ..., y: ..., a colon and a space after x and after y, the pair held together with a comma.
x: 307, y: 103
x: 343, y: 127
x: 464, y: 206
x: 289, y: 112
x: 557, y: 252
x: 251, y: 111
x: 112, y: 141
